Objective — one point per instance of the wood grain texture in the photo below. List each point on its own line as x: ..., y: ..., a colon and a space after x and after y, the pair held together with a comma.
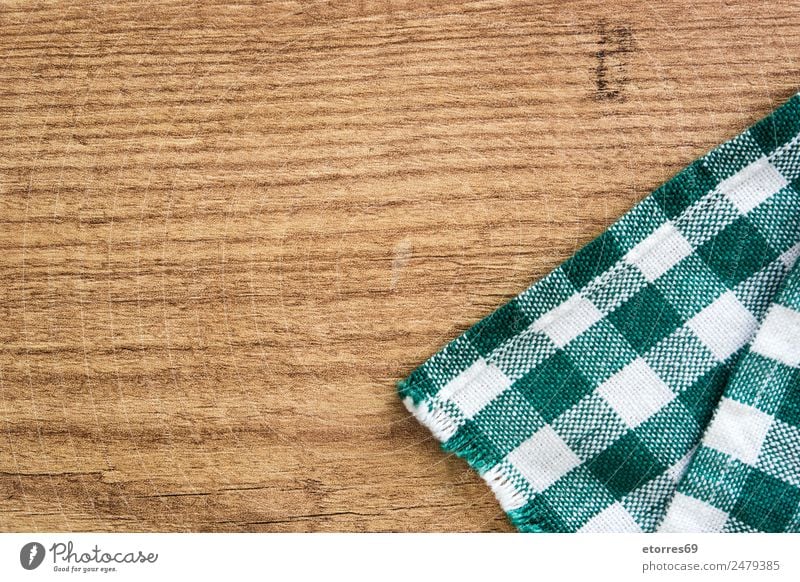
x: 229, y: 228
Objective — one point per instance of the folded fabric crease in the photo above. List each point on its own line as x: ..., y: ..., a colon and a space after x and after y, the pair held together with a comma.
x: 652, y: 381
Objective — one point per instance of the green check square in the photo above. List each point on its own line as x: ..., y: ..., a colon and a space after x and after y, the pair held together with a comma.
x: 756, y: 292
x: 776, y: 218
x: 450, y: 361
x: 690, y: 286
x: 538, y: 515
x: 703, y: 481
x: 554, y: 386
x: 592, y: 260
x: 543, y: 296
x: 761, y: 382
x: 680, y: 359
x: 578, y: 496
x: 789, y: 408
x: 670, y: 433
x: 775, y: 130
x: 418, y: 385
x: 737, y: 252
x: 730, y: 157
x: 790, y: 296
x: 498, y: 327
x: 625, y: 465
x: 641, y: 220
x: 589, y: 426
x: 684, y: 189
x: 766, y: 502
x: 508, y: 420
x: 645, y: 319
x: 600, y: 352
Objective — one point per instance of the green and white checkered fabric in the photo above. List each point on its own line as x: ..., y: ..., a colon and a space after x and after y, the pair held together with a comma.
x: 745, y: 477
x: 652, y: 381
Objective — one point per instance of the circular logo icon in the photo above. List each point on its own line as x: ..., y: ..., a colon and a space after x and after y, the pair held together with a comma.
x: 31, y: 555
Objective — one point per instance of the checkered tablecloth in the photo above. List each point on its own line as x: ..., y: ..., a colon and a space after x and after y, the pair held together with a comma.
x: 652, y: 381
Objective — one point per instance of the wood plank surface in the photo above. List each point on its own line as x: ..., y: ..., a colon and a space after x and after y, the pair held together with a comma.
x: 229, y: 228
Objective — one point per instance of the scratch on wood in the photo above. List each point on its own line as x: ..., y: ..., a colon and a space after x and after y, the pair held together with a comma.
x: 402, y: 254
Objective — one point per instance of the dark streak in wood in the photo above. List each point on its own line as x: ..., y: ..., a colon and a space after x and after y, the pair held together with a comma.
x: 611, y: 75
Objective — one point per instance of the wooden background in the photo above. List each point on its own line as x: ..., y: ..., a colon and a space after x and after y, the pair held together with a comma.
x: 228, y: 229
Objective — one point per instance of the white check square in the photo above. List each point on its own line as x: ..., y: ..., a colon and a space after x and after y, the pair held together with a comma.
x: 753, y: 185
x: 779, y: 336
x: 636, y: 393
x: 614, y: 518
x: 569, y: 320
x: 659, y: 252
x: 738, y: 430
x: 475, y: 387
x: 543, y: 459
x: 724, y: 326
x: 691, y: 515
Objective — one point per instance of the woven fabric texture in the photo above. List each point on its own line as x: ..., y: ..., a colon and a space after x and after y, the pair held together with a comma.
x: 652, y: 381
